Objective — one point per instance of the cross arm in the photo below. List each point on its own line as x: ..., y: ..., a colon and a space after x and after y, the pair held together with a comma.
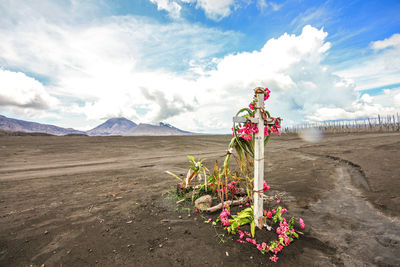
x: 268, y: 121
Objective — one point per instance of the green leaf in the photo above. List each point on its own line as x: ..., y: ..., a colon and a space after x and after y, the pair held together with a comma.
x: 253, y: 228
x: 170, y: 173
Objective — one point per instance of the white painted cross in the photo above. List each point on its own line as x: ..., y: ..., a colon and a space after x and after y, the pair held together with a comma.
x: 258, y: 155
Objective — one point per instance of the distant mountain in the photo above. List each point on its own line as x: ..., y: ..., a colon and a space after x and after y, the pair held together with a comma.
x: 114, y: 126
x: 13, y: 125
x: 162, y: 129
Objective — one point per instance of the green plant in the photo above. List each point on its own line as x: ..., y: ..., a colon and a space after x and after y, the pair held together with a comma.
x: 241, y: 218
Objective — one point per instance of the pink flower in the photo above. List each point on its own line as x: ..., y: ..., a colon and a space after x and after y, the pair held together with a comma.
x: 273, y: 211
x: 239, y: 240
x: 240, y: 206
x: 278, y: 201
x: 266, y: 131
x: 274, y: 258
x: 259, y: 247
x: 248, y: 239
x: 241, y: 234
x: 196, y: 211
x: 253, y: 241
x: 210, y: 220
x: 302, y: 224
x: 283, y: 210
x: 266, y: 187
x: 247, y: 203
x: 269, y: 214
x: 247, y: 233
x: 246, y: 137
x: 267, y: 92
x: 251, y: 106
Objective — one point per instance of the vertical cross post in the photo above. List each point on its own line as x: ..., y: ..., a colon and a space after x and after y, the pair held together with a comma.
x: 259, y: 160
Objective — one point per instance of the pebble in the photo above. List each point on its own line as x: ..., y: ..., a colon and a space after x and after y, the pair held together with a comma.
x: 180, y: 217
x: 169, y: 228
x: 161, y: 245
x: 251, y: 257
x: 46, y: 232
x: 227, y: 253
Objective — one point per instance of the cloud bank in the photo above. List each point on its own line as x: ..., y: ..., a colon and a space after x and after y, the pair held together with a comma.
x: 180, y: 73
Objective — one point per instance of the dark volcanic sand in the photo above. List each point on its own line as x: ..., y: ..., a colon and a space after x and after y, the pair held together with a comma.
x: 101, y: 200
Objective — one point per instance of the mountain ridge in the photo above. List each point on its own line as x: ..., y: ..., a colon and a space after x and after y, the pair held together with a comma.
x: 112, y: 127
x: 14, y: 125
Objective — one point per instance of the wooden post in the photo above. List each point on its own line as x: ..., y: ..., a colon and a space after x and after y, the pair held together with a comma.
x: 259, y: 160
x: 258, y: 155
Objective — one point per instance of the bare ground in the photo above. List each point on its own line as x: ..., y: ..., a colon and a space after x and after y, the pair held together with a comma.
x: 103, y: 200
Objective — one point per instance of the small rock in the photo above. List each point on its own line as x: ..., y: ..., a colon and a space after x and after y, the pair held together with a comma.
x: 251, y: 257
x: 189, y: 215
x: 150, y: 249
x: 128, y: 246
x: 227, y: 253
x: 166, y: 238
x: 180, y: 217
x: 114, y: 251
x: 129, y: 221
x: 203, y: 203
x: 160, y: 245
x: 46, y: 232
x: 169, y: 228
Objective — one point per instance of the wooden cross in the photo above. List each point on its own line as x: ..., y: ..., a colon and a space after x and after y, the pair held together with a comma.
x: 258, y: 155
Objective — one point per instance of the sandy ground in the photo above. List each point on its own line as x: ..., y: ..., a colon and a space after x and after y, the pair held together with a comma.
x: 76, y: 201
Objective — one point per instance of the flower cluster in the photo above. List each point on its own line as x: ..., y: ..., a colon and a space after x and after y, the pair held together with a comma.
x: 283, y: 231
x: 224, y: 215
x: 273, y: 128
x: 231, y: 186
x: 247, y: 130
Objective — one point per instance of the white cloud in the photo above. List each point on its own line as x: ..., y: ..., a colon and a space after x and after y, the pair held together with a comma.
x: 216, y: 10
x: 264, y: 4
x: 379, y: 69
x: 172, y: 7
x: 213, y: 9
x: 19, y: 90
x: 393, y: 41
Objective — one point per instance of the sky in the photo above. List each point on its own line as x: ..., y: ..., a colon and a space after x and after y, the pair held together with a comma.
x: 195, y: 63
